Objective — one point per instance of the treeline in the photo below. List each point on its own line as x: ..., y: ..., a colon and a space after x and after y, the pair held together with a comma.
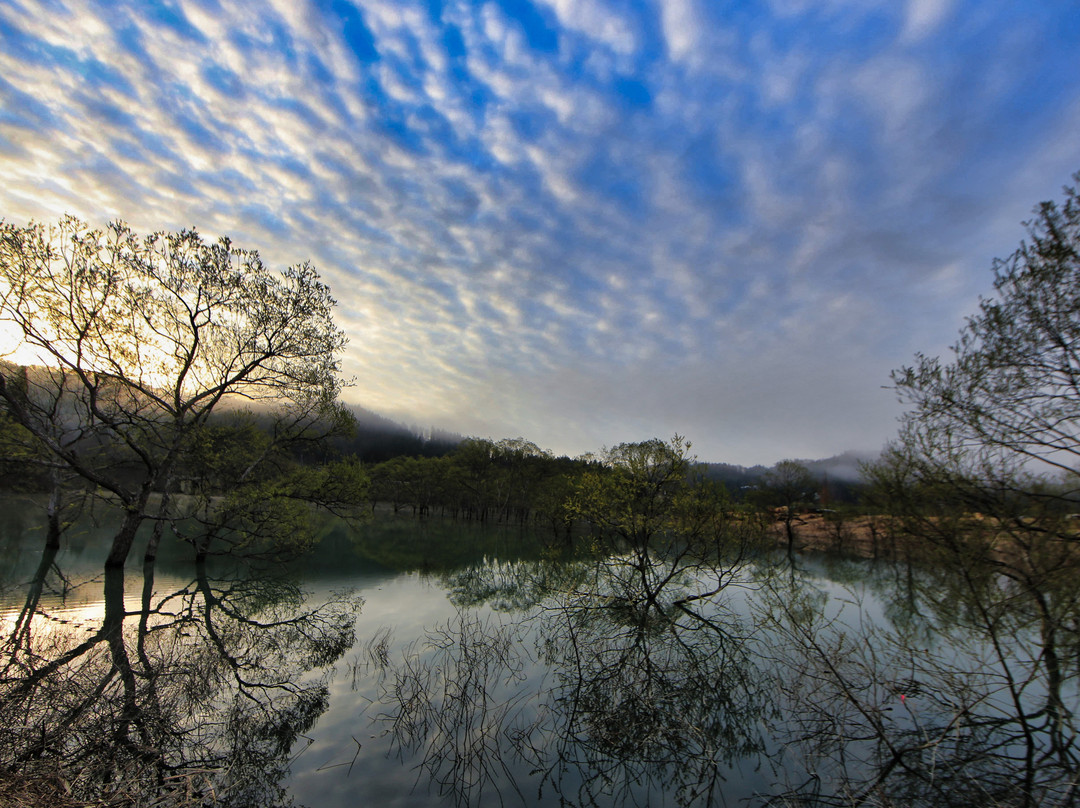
x: 514, y: 481
x: 507, y: 481
x: 351, y: 431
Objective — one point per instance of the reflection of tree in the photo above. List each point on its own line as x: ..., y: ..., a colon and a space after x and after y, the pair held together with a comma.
x: 651, y: 679
x: 197, y: 696
x: 665, y: 703
x: 512, y: 586
x: 919, y: 686
x: 459, y: 701
x: 952, y: 708
x: 632, y: 701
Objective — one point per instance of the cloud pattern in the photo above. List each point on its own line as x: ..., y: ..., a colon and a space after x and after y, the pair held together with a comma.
x: 582, y: 221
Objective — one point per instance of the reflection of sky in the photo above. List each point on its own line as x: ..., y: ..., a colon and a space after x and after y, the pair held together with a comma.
x: 332, y: 770
x: 582, y: 222
x: 409, y: 605
x: 80, y: 607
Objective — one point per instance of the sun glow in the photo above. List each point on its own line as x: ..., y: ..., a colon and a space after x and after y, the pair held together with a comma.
x: 13, y: 348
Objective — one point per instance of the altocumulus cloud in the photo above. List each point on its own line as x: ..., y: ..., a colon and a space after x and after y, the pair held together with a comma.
x: 582, y: 221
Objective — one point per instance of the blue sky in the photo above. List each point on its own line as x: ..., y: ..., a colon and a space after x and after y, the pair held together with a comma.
x: 579, y: 221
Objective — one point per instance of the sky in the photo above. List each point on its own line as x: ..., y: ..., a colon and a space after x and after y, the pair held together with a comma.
x: 582, y: 222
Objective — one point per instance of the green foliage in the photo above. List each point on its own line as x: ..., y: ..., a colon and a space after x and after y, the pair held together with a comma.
x: 220, y: 454
x: 789, y: 484
x: 144, y: 337
x: 638, y: 493
x: 507, y: 481
x: 23, y: 460
x: 278, y: 512
x: 438, y: 544
x: 663, y: 535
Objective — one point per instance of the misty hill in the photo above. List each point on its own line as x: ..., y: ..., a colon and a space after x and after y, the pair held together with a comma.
x: 378, y: 438
x: 841, y: 473
x: 735, y: 478
x: 842, y: 467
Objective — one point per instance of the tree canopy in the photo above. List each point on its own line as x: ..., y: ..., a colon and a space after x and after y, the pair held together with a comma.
x: 1010, y: 397
x: 141, y: 338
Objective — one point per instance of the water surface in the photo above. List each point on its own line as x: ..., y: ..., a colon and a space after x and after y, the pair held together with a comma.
x: 429, y: 663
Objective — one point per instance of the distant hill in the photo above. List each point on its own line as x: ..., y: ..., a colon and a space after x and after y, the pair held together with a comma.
x: 735, y: 478
x: 376, y: 439
x: 844, y: 467
x: 841, y: 473
x: 379, y: 438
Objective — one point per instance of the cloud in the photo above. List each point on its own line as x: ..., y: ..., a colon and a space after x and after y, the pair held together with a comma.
x: 581, y: 222
x: 922, y: 18
x: 681, y: 26
x: 600, y: 22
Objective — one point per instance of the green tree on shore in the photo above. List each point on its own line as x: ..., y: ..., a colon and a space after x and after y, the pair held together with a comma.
x: 141, y: 338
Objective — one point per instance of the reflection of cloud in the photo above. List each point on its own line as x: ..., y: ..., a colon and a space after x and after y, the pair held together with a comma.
x: 506, y: 192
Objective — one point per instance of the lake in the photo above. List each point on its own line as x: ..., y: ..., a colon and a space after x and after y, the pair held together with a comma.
x: 414, y: 662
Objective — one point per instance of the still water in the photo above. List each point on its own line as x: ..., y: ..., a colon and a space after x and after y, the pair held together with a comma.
x: 428, y: 663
